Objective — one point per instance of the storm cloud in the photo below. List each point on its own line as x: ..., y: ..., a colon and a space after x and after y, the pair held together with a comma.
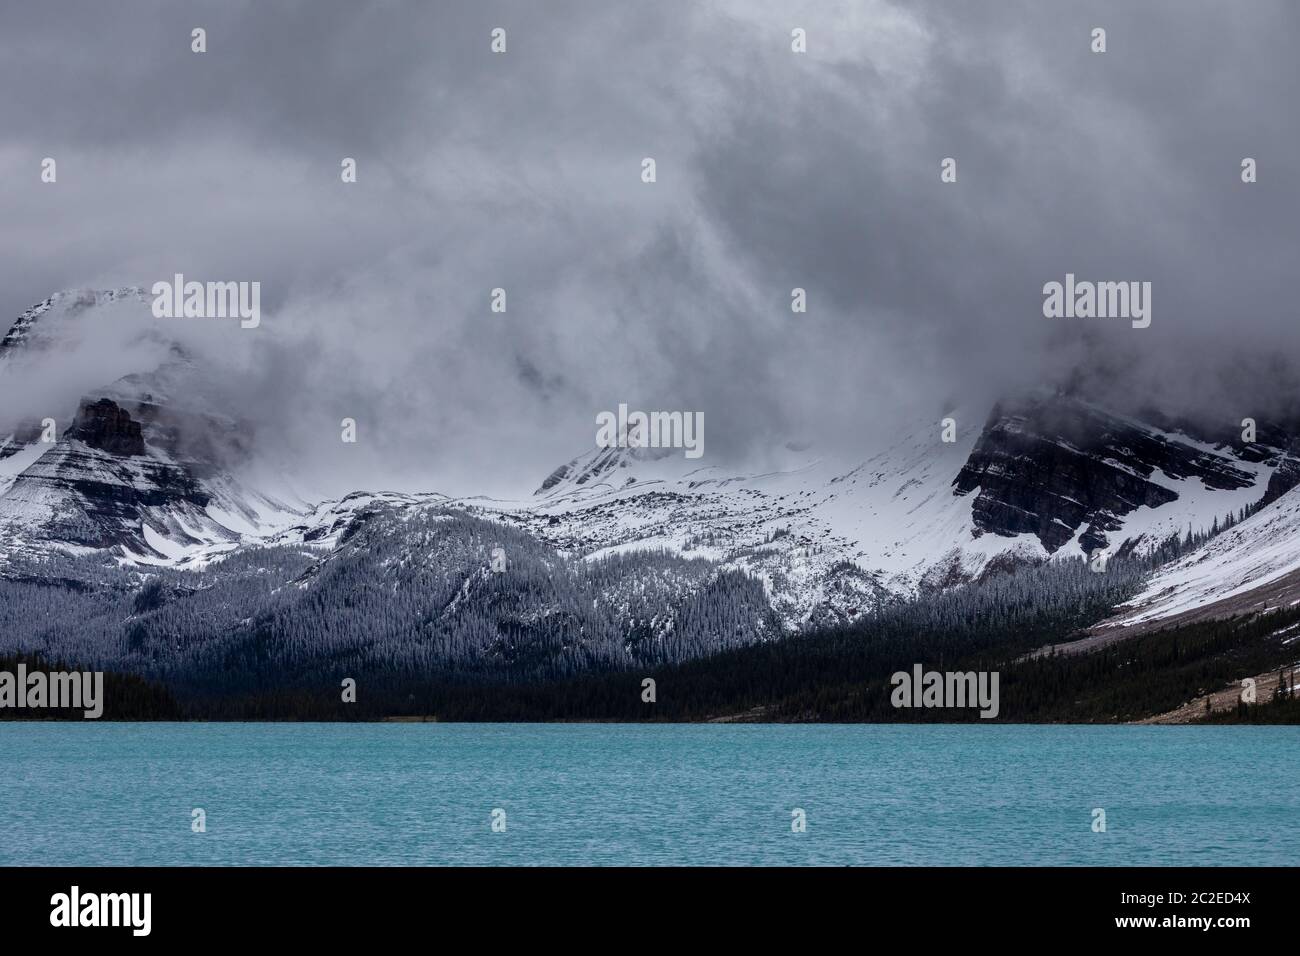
x: 775, y: 170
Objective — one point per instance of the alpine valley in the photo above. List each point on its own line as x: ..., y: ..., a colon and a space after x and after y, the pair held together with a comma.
x: 1112, y: 566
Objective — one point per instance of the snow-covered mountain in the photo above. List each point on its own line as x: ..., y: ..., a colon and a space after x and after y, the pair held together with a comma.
x: 139, y: 467
x: 1044, y: 477
x: 144, y: 471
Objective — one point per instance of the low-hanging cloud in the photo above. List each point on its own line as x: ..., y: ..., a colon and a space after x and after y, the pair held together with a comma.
x: 775, y: 170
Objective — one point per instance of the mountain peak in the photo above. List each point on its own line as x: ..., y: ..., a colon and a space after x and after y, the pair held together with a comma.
x: 70, y: 301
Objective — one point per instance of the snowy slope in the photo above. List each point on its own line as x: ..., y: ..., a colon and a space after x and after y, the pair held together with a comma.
x: 1259, y: 554
x: 147, y: 471
x: 830, y: 541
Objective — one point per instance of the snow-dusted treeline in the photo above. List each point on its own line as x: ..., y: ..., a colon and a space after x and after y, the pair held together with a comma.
x: 430, y: 593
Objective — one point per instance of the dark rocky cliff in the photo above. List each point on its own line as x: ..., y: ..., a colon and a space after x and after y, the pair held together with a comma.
x: 108, y: 427
x: 1053, y: 466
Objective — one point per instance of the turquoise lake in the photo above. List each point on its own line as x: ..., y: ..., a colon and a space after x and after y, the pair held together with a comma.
x: 424, y: 794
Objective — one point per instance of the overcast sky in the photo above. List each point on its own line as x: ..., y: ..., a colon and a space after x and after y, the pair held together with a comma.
x: 775, y: 170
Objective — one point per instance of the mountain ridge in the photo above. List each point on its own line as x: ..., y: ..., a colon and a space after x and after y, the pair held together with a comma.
x: 1048, y: 476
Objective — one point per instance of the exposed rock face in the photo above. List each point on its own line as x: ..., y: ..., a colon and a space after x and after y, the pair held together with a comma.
x: 1052, y: 466
x: 19, y: 331
x: 97, y: 485
x: 108, y: 427
x: 602, y: 465
x: 93, y: 498
x: 1286, y: 477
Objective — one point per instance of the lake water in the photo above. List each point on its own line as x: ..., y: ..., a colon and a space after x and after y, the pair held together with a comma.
x: 108, y: 793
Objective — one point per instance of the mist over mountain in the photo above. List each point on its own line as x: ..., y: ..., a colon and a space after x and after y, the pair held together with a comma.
x: 776, y: 171
x: 150, y: 470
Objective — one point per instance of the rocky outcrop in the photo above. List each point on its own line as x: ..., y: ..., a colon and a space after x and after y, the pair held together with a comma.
x: 1285, y: 477
x: 108, y: 427
x: 1053, y: 466
x: 97, y: 485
